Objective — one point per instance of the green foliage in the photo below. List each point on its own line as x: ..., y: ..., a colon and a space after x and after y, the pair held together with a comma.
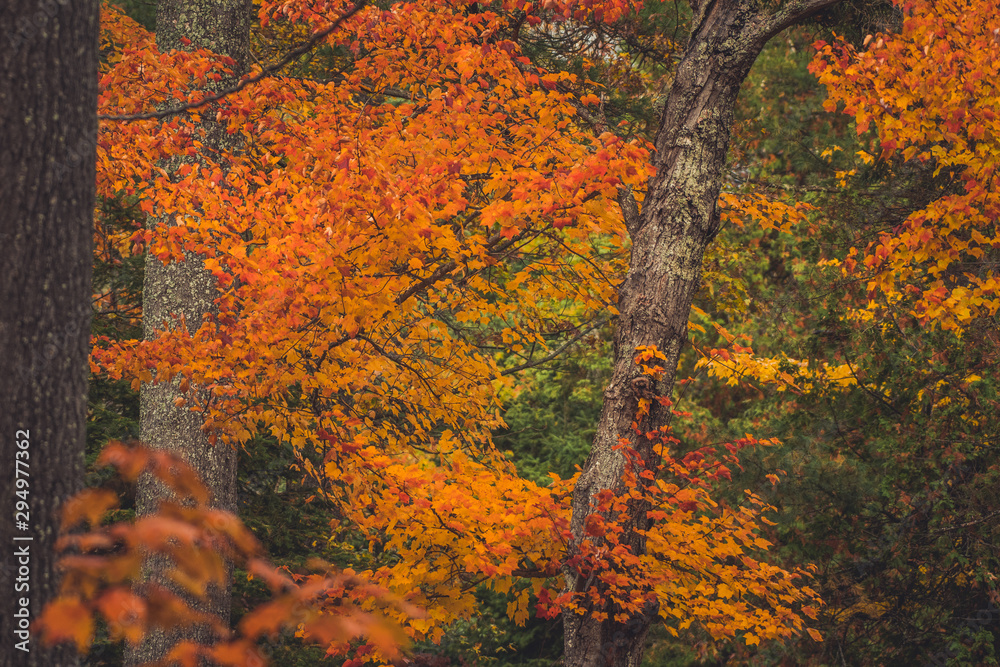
x: 551, y: 424
x: 892, y: 490
x: 142, y: 11
x: 781, y: 128
x: 292, y: 522
x: 113, y: 408
x: 492, y: 638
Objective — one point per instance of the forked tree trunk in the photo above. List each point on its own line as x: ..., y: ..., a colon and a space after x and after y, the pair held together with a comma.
x: 48, y: 143
x: 187, y: 289
x: 669, y: 237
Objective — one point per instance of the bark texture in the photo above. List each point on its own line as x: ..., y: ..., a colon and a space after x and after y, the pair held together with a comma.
x: 669, y: 236
x: 48, y: 139
x: 187, y: 290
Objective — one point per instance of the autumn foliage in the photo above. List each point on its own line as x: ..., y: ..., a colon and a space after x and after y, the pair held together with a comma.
x: 102, y: 562
x: 410, y: 222
x: 931, y: 93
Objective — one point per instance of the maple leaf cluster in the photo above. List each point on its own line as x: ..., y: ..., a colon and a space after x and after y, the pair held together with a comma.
x: 931, y: 92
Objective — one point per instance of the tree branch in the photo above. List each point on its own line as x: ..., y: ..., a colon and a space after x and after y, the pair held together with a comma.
x: 630, y: 210
x: 562, y: 348
x: 444, y: 270
x: 266, y: 72
x: 790, y: 13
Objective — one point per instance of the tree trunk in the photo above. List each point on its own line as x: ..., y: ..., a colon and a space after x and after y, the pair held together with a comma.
x: 677, y: 222
x: 48, y: 140
x: 187, y: 289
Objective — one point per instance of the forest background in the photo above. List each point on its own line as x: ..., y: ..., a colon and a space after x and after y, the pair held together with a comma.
x: 847, y: 311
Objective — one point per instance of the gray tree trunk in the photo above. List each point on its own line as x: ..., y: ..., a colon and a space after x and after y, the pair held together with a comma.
x: 677, y: 222
x: 48, y: 140
x: 187, y: 289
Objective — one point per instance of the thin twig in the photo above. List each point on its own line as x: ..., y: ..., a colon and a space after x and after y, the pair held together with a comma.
x: 562, y: 348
